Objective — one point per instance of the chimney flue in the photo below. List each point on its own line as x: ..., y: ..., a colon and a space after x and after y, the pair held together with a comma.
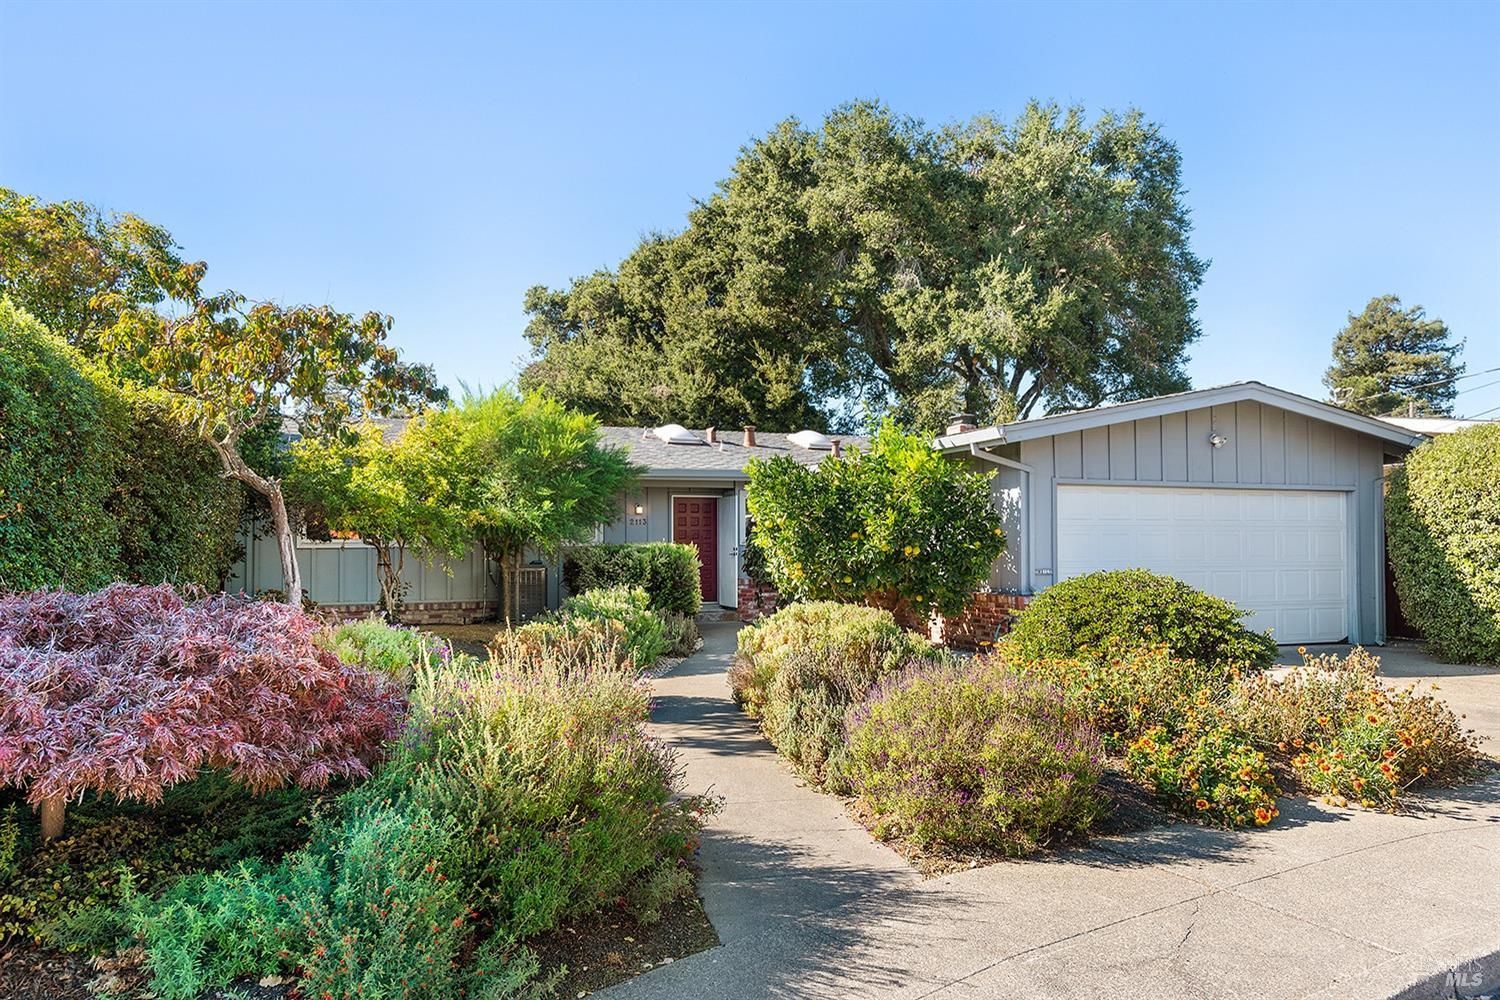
x: 961, y: 422
x: 838, y: 447
x: 749, y: 435
x: 712, y: 433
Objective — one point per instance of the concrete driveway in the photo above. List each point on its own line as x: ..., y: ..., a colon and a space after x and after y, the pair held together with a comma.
x: 1329, y: 902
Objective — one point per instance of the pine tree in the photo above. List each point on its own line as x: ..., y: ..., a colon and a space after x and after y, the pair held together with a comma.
x: 1394, y: 361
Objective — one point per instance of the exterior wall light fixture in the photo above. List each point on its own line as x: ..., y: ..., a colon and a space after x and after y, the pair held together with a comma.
x: 1218, y: 440
x: 640, y: 509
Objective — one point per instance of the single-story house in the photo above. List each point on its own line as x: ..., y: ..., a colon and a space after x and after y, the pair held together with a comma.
x: 1270, y: 499
x: 1267, y: 498
x: 692, y: 491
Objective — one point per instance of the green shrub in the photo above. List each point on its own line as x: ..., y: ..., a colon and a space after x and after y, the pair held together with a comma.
x: 898, y: 526
x: 645, y: 630
x: 682, y: 633
x: 1207, y: 770
x: 57, y: 458
x: 112, y: 848
x: 95, y: 484
x: 969, y: 755
x: 666, y: 570
x: 519, y: 798
x: 1117, y: 610
x: 799, y: 670
x: 1443, y: 537
x: 376, y: 645
x: 1124, y: 696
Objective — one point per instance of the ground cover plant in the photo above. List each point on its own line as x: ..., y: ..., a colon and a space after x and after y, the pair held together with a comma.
x: 668, y: 571
x: 130, y: 690
x: 800, y: 670
x: 374, y: 644
x: 113, y: 848
x: 968, y: 754
x: 1443, y: 531
x: 1114, y: 610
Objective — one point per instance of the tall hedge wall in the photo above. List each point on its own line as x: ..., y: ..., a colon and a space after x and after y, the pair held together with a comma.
x: 95, y: 484
x: 1443, y: 537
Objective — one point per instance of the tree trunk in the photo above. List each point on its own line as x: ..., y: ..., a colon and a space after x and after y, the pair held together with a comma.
x: 52, y: 810
x: 507, y: 585
x: 515, y: 583
x: 286, y: 544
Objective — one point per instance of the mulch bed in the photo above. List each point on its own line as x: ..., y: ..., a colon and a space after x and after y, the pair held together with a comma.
x: 471, y: 639
x: 610, y: 948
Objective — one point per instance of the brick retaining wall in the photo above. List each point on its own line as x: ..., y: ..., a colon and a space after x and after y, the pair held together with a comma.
x: 974, y: 630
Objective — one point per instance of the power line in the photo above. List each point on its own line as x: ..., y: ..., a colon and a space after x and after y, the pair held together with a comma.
x: 1453, y: 378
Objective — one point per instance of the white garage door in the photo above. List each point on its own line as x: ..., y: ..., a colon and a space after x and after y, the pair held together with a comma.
x: 1280, y: 554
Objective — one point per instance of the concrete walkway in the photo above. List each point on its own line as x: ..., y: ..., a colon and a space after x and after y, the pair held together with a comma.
x: 1332, y: 903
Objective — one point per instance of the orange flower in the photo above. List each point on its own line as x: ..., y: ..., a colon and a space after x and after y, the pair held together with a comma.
x: 1202, y: 804
x: 1262, y: 815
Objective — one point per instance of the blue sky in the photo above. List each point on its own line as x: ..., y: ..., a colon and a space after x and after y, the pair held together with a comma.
x: 434, y: 161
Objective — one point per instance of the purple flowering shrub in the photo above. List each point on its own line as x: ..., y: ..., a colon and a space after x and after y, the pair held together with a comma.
x: 131, y: 689
x: 966, y: 754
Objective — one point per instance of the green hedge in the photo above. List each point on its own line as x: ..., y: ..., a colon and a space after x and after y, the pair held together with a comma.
x: 95, y: 484
x: 1130, y: 609
x: 1443, y: 537
x: 667, y: 571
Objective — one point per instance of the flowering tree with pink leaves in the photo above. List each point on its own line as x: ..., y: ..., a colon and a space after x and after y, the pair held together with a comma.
x: 131, y: 689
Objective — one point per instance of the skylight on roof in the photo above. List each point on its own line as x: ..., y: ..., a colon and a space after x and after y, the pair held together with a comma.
x: 811, y: 440
x: 676, y: 434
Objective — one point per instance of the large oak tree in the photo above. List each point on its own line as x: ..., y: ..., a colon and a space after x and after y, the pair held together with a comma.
x: 877, y: 264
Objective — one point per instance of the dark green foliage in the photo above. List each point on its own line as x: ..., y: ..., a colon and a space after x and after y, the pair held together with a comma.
x: 668, y: 572
x: 179, y: 518
x: 96, y: 484
x: 199, y: 825
x: 1118, y: 610
x: 57, y: 458
x: 1389, y: 360
x: 988, y: 266
x: 1443, y: 537
x: 799, y: 670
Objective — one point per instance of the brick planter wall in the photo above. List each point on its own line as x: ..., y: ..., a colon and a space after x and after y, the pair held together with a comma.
x: 756, y: 600
x: 974, y: 629
x: 419, y: 612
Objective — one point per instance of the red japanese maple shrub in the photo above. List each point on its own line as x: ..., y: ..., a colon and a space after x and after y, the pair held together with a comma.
x: 131, y: 689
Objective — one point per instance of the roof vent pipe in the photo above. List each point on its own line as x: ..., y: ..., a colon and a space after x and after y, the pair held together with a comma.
x: 837, y: 447
x: 749, y: 435
x: 712, y: 433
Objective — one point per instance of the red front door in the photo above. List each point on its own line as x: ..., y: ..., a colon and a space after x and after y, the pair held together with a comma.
x: 695, y: 522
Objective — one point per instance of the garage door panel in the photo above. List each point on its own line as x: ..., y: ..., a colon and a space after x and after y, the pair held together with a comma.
x: 1280, y: 555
